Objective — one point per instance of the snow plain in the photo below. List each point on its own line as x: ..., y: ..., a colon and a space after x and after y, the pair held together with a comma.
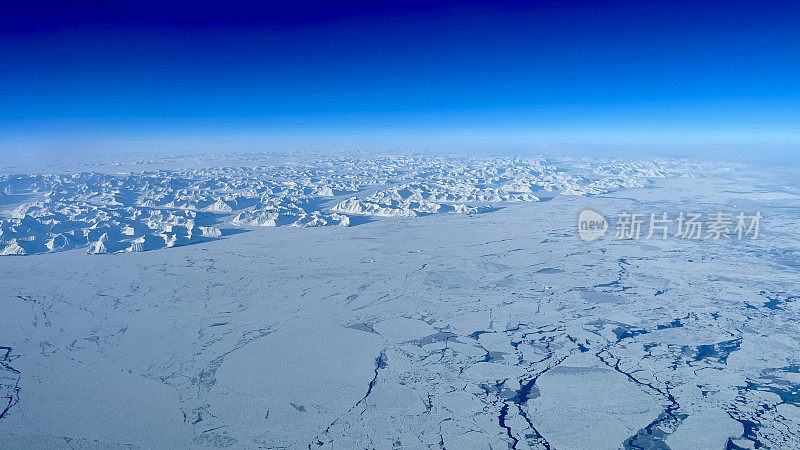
x: 447, y: 308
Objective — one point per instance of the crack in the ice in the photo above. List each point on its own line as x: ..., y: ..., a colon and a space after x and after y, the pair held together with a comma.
x: 12, y: 389
x: 521, y: 397
x: 380, y: 363
x: 653, y: 435
x: 502, y: 420
x: 207, y: 377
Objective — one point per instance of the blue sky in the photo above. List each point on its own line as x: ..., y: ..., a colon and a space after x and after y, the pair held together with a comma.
x: 241, y: 75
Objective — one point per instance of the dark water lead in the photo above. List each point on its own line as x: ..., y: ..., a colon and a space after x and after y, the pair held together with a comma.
x: 9, y: 381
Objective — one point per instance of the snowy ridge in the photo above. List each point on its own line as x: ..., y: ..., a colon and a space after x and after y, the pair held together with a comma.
x: 129, y: 212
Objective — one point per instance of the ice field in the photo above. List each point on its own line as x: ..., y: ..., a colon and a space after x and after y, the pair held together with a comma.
x: 395, y: 302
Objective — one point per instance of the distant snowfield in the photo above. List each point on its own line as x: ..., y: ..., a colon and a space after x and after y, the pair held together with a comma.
x: 424, y: 330
x: 140, y: 210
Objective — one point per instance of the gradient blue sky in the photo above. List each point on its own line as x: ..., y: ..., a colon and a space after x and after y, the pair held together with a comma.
x: 248, y: 76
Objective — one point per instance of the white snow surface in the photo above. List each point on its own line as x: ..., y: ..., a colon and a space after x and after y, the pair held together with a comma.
x: 148, y: 210
x: 448, y: 307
